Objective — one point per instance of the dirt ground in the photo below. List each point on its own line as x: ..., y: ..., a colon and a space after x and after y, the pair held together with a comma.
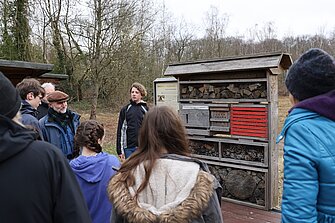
x: 110, y: 119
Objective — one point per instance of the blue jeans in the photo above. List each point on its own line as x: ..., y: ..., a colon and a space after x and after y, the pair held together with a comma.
x: 129, y: 151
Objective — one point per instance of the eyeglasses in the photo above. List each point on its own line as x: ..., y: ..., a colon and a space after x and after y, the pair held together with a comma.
x: 39, y: 96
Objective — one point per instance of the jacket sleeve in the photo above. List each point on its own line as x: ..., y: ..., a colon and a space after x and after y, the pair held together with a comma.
x: 213, y: 213
x: 300, y: 175
x: 70, y: 205
x: 119, y: 128
x: 43, y: 130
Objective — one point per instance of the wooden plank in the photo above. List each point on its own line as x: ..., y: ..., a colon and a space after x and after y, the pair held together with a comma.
x: 236, y: 166
x: 255, y: 128
x: 244, y: 162
x: 218, y: 120
x: 239, y: 133
x: 273, y: 149
x: 260, y: 123
x: 256, y: 115
x: 197, y: 132
x: 235, y: 213
x: 248, y: 108
x: 219, y: 109
x: 240, y: 137
x: 223, y: 81
x: 229, y: 101
x: 205, y: 157
x: 237, y: 119
x: 243, y: 203
x: 217, y: 128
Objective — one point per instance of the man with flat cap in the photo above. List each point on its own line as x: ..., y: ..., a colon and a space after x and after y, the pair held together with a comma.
x: 60, y: 123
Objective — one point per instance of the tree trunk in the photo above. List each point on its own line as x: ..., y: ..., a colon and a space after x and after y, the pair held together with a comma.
x: 94, y: 101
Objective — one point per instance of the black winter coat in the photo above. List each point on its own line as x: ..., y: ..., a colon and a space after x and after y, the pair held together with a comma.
x: 127, y: 133
x: 37, y: 183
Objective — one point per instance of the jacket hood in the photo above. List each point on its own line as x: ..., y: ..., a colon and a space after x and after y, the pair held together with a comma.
x: 12, y: 134
x: 26, y: 108
x: 139, y: 103
x: 322, y: 105
x: 91, y: 168
x: 187, y: 210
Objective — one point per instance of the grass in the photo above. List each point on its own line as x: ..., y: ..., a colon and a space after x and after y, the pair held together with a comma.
x: 107, y: 118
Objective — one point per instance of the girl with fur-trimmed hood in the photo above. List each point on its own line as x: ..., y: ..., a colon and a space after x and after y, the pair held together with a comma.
x: 160, y: 182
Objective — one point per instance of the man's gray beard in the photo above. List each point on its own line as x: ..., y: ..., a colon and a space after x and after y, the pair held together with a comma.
x: 61, y: 111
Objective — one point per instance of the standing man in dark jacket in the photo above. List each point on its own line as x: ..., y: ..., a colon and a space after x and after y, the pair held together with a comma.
x: 130, y: 121
x: 37, y: 184
x: 60, y: 124
x: 31, y: 94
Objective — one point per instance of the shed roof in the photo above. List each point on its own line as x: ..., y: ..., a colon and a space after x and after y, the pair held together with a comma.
x: 54, y: 76
x: 165, y: 79
x: 13, y: 68
x: 260, y: 61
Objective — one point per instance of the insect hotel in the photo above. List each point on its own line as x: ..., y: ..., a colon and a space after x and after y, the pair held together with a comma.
x: 230, y: 109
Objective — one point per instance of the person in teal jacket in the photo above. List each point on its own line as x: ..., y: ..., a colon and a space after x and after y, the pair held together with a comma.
x: 309, y: 147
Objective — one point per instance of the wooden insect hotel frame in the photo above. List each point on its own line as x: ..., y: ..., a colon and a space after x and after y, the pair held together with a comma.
x: 230, y: 110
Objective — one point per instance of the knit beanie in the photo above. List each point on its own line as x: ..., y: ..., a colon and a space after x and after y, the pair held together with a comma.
x: 311, y: 75
x: 10, y: 101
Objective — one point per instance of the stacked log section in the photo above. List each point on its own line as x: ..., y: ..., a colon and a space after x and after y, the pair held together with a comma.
x: 204, y: 148
x: 244, y: 185
x: 224, y: 91
x: 243, y: 152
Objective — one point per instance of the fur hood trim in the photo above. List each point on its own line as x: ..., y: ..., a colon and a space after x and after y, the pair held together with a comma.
x: 190, y: 209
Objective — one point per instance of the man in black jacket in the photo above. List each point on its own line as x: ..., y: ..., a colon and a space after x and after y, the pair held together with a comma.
x: 37, y: 183
x: 130, y: 121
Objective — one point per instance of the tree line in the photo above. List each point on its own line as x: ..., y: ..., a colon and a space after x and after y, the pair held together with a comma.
x: 105, y: 45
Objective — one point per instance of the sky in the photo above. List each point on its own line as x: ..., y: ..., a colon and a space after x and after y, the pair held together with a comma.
x: 289, y: 17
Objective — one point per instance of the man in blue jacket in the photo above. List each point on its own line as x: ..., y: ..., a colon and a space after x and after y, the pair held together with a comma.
x: 60, y: 124
x: 309, y: 148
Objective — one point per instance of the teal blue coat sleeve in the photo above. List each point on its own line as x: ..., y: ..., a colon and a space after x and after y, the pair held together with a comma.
x: 301, y: 186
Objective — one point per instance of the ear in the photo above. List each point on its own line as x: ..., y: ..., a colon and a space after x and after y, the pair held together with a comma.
x: 100, y: 141
x: 30, y: 96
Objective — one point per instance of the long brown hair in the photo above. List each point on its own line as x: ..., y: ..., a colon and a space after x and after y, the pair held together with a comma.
x: 88, y: 133
x: 162, y: 131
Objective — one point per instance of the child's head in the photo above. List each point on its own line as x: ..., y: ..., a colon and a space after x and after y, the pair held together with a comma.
x: 311, y: 75
x: 30, y: 90
x: 140, y: 88
x: 89, y: 134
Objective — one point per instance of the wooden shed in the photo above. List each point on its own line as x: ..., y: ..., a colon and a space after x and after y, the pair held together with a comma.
x: 230, y: 109
x: 52, y: 77
x: 18, y: 70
